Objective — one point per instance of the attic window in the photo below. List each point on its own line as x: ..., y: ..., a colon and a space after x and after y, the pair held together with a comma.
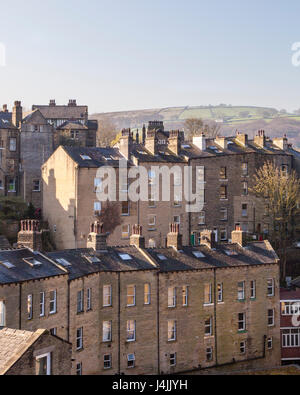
x: 125, y: 257
x: 63, y: 262
x: 161, y: 257
x: 231, y: 253
x: 32, y: 261
x: 92, y: 259
x: 7, y: 264
x: 85, y: 157
x: 198, y: 254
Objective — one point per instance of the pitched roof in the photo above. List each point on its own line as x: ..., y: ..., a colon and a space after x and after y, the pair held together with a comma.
x: 110, y: 260
x: 20, y: 269
x: 224, y: 255
x: 70, y: 125
x: 13, y: 344
x: 98, y: 156
x: 5, y: 120
x: 62, y: 112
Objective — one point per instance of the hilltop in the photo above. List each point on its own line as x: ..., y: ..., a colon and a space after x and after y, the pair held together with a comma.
x: 246, y: 119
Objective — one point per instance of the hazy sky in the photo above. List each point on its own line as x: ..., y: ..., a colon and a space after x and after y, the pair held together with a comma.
x: 134, y: 54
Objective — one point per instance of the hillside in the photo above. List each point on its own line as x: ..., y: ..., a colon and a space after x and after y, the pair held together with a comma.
x: 246, y: 119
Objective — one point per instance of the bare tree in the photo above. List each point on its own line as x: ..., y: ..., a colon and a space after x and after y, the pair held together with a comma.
x: 110, y: 216
x: 281, y: 191
x: 106, y: 133
x: 195, y: 126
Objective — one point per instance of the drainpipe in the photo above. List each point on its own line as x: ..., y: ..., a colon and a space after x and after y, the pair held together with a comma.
x: 20, y: 305
x: 68, y: 312
x: 119, y: 324
x: 158, y: 323
x: 215, y: 316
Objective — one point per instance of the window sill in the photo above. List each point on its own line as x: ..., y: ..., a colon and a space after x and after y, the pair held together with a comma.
x: 241, y: 300
x: 130, y: 341
x: 252, y: 299
x: 209, y: 337
x: 208, y: 304
x: 221, y: 303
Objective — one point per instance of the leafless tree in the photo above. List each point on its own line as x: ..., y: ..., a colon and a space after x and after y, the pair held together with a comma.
x: 195, y: 126
x: 106, y: 133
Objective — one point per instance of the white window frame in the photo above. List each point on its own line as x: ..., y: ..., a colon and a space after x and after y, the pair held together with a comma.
x: 79, y: 369
x: 243, y: 347
x: 97, y: 208
x: 106, y: 331
x: 54, y: 301
x: 209, y: 301
x: 80, y: 301
x: 173, y: 359
x: 131, y: 331
x: 270, y: 341
x: 272, y: 287
x: 171, y: 297
x: 2, y: 313
x: 243, y: 321
x: 107, y: 295
x: 220, y: 292
x: 80, y: 338
x: 42, y: 304
x: 89, y: 299
x: 13, y: 147
x: 290, y: 307
x: 252, y: 289
x: 241, y: 290
x: 131, y: 358
x: 290, y: 339
x: 209, y: 354
x: 131, y: 295
x: 107, y: 360
x: 185, y: 295
x: 48, y: 356
x: 172, y: 330
x: 208, y: 325
x: 272, y: 317
x: 201, y: 219
x: 125, y: 235
x: 30, y: 306
x: 147, y: 293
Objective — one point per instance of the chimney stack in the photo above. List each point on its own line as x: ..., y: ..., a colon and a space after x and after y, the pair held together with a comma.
x: 97, y: 238
x: 174, y: 141
x: 126, y: 143
x: 136, y: 238
x: 17, y: 114
x: 174, y: 238
x: 156, y: 125
x: 30, y: 235
x: 242, y: 139
x: 200, y: 142
x: 281, y: 142
x: 238, y: 237
x: 72, y: 103
x: 260, y: 139
x: 52, y: 103
x: 151, y: 142
x: 207, y: 238
x: 221, y: 141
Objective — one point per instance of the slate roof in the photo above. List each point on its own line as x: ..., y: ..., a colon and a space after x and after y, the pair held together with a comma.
x: 70, y: 125
x: 255, y: 253
x: 23, y: 271
x: 109, y: 261
x: 97, y: 156
x: 62, y: 112
x: 13, y: 344
x: 163, y: 156
x: 233, y: 148
x: 290, y: 294
x: 5, y: 120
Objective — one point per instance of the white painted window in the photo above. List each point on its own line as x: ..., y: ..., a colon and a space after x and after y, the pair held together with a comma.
x: 185, y: 295
x: 208, y: 327
x: 171, y: 297
x: 130, y: 360
x: 207, y: 293
x: 29, y: 307
x: 270, y: 287
x: 106, y: 295
x: 106, y: 331
x: 2, y: 313
x: 271, y: 315
x: 241, y: 321
x: 89, y: 299
x: 253, y: 289
x: 147, y: 294
x: 125, y: 231
x: 270, y: 343
x: 171, y: 330
x: 131, y: 295
x: 290, y: 307
x: 79, y: 369
x: 79, y: 338
x: 243, y: 347
x: 98, y: 184
x: 173, y: 359
x: 53, y: 302
x: 97, y: 208
x: 43, y: 363
x: 291, y: 337
x: 244, y: 169
x: 36, y: 186
x: 80, y: 301
x: 224, y: 214
x: 201, y: 218
x: 241, y: 290
x: 220, y: 292
x: 107, y: 361
x: 209, y: 354
x: 131, y: 324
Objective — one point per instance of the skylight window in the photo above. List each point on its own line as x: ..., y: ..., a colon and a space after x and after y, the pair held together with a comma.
x: 63, y: 262
x: 7, y: 264
x: 161, y: 257
x: 92, y: 259
x: 185, y: 146
x: 125, y: 257
x: 198, y: 254
x: 107, y: 157
x: 231, y: 253
x: 32, y: 261
x: 85, y: 157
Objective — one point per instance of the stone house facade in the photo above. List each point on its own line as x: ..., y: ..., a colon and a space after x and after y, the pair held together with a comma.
x: 136, y: 310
